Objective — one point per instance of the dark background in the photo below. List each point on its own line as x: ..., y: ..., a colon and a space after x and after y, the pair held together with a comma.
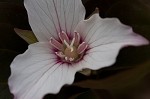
x: 128, y: 78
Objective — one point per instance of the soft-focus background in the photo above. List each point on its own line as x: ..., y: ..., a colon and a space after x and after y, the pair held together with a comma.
x: 128, y: 78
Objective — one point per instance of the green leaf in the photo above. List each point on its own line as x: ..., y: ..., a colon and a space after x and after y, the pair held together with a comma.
x: 86, y: 72
x: 27, y: 35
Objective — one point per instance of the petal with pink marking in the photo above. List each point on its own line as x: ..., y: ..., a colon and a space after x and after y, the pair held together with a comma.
x: 36, y: 73
x: 49, y: 17
x: 105, y: 37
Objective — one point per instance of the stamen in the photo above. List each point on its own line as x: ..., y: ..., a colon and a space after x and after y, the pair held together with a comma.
x: 71, y: 59
x: 72, y: 42
x: 71, y: 45
x: 56, y: 44
x: 63, y: 36
x: 68, y: 46
x: 66, y: 58
x: 71, y: 49
x: 82, y: 47
x: 60, y: 54
x: 77, y: 38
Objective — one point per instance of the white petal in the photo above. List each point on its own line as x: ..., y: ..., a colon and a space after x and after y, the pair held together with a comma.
x: 105, y: 38
x: 49, y: 17
x: 36, y: 73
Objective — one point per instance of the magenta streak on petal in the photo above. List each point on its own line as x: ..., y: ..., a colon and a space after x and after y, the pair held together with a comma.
x: 82, y: 47
x: 63, y: 36
x: 77, y: 38
x: 56, y: 44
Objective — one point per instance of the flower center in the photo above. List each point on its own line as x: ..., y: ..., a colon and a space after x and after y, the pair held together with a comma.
x: 69, y: 50
x: 71, y: 53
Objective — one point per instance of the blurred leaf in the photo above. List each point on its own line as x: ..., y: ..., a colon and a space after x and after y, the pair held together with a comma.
x: 27, y: 35
x: 6, y: 57
x: 4, y: 92
x: 86, y: 95
x: 14, y: 1
x: 66, y: 92
x: 10, y: 40
x: 13, y: 13
x: 122, y: 80
x: 140, y: 91
x: 132, y: 12
x: 90, y: 6
x: 86, y: 72
x: 143, y: 29
x: 93, y: 94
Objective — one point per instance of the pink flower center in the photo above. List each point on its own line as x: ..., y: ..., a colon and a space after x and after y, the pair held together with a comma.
x: 69, y: 50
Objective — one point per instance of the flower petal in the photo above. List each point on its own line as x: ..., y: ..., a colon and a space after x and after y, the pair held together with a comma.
x: 105, y: 38
x: 49, y: 17
x: 37, y: 72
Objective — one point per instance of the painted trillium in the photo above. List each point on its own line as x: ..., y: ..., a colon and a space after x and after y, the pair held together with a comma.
x: 67, y: 44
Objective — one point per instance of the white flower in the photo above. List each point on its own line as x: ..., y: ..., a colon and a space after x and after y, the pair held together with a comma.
x: 67, y: 44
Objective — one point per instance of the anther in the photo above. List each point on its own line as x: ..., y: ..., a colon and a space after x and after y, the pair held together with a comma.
x: 66, y: 58
x: 60, y: 54
x: 71, y: 59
